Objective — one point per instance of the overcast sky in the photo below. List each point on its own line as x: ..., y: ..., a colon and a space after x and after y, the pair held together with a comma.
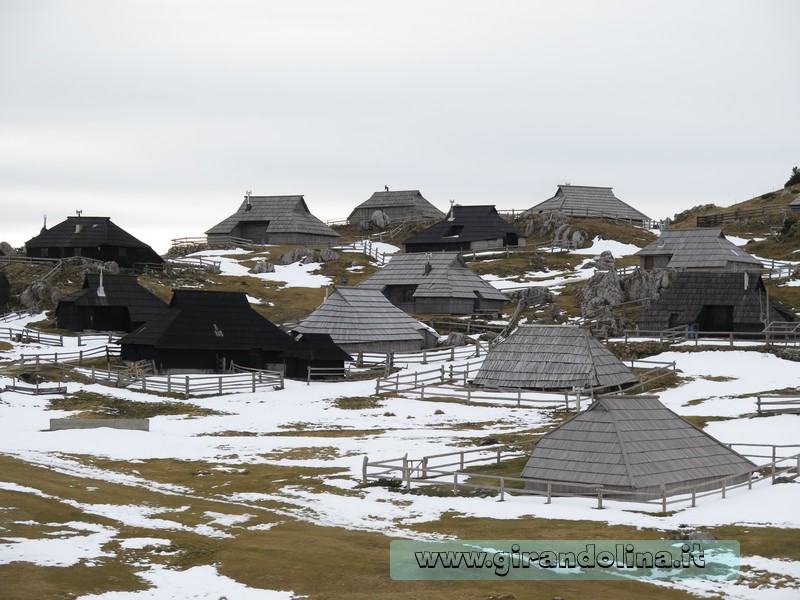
x: 161, y: 114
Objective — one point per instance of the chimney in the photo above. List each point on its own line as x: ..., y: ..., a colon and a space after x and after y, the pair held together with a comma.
x: 78, y: 226
x: 101, y: 292
x: 247, y: 206
x: 428, y: 267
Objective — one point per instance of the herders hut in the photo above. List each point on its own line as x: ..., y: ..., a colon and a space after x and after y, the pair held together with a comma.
x: 400, y: 206
x: 553, y: 357
x: 273, y: 220
x: 466, y: 228
x: 205, y: 332
x: 91, y: 237
x: 701, y: 249
x: 5, y: 292
x: 314, y: 351
x: 363, y: 320
x: 108, y: 303
x: 714, y: 301
x: 633, y: 445
x: 589, y: 201
x: 439, y: 283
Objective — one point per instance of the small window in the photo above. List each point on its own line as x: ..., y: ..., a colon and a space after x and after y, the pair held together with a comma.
x: 44, y: 252
x: 123, y: 252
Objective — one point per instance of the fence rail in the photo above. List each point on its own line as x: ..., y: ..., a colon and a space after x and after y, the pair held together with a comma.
x: 683, y: 333
x: 737, y: 215
x: 196, y: 385
x: 31, y: 335
x: 781, y: 404
x: 422, y: 357
x: 426, y: 471
x: 78, y: 356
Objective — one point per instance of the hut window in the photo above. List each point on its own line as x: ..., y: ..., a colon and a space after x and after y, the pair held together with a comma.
x: 217, y: 331
x: 454, y: 231
x: 123, y: 252
x: 44, y: 252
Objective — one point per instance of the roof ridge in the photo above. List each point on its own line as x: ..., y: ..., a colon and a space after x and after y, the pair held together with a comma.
x: 623, y: 451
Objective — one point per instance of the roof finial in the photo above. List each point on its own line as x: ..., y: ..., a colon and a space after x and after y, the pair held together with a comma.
x: 386, y: 187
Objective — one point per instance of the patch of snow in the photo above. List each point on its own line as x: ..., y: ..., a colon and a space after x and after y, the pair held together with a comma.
x: 599, y: 245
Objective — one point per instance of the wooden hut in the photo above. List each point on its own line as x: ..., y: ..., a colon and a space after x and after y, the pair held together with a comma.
x: 553, y: 357
x: 634, y: 445
x: 589, y: 201
x: 696, y: 249
x: 5, y: 292
x: 91, y: 237
x: 108, y: 303
x: 204, y: 332
x: 273, y: 220
x: 400, y: 206
x: 714, y: 301
x: 314, y: 351
x: 466, y: 228
x: 363, y: 320
x: 439, y: 283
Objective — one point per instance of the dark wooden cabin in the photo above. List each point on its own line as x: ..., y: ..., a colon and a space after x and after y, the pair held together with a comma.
x: 466, y: 228
x: 205, y: 332
x: 714, y: 301
x: 119, y: 304
x: 5, y: 292
x: 315, y: 350
x: 91, y: 237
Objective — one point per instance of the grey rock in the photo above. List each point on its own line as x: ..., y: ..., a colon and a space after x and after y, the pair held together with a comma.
x: 327, y: 255
x: 298, y: 254
x: 263, y: 266
x: 111, y: 268
x: 7, y: 249
x: 534, y: 295
x: 380, y: 218
x: 578, y: 239
x: 455, y: 338
x: 604, y: 262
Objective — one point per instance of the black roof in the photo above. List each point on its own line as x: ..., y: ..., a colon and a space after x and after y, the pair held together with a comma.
x: 691, y: 290
x: 120, y: 290
x: 473, y: 223
x: 82, y: 232
x: 206, y: 320
x: 316, y: 347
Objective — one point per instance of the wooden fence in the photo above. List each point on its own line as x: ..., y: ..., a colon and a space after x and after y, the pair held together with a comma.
x: 769, y: 403
x: 30, y: 336
x: 198, y: 385
x: 737, y: 215
x: 13, y: 316
x: 34, y: 390
x: 684, y: 333
x: 422, y: 357
x: 78, y: 356
x: 450, y: 474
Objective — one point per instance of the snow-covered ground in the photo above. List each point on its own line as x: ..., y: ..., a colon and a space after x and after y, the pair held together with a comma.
x: 718, y: 383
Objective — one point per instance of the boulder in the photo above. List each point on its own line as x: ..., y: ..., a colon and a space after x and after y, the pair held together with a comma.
x: 380, y: 219
x: 578, y: 239
x: 6, y: 249
x: 298, y: 254
x: 455, y: 338
x: 536, y: 294
x: 263, y: 266
x: 327, y: 255
x: 111, y: 268
x: 604, y: 262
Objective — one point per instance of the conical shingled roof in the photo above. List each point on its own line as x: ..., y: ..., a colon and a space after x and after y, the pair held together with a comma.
x: 359, y: 316
x: 700, y: 248
x: 632, y: 443
x: 285, y: 214
x: 412, y: 203
x: 552, y: 357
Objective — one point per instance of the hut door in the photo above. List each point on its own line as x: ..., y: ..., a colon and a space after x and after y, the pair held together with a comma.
x: 716, y: 317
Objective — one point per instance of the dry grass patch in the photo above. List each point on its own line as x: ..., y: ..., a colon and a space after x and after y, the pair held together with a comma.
x: 92, y: 405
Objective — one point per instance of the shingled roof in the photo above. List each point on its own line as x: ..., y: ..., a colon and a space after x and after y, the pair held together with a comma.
x: 463, y: 225
x: 119, y: 290
x: 700, y: 248
x: 632, y: 444
x: 409, y: 203
x: 690, y: 291
x: 436, y: 275
x: 286, y: 214
x: 361, y: 316
x: 552, y: 357
x: 588, y: 201
x: 84, y: 232
x: 203, y: 320
x: 313, y: 347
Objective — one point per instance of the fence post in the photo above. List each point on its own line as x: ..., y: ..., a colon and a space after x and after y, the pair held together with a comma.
x: 774, y: 460
x: 406, y: 472
x: 758, y: 404
x: 477, y: 345
x: 600, y: 498
x: 663, y: 498
x: 424, y: 356
x: 144, y: 383
x: 724, y: 485
x: 80, y: 358
x: 220, y: 384
x: 455, y: 482
x: 502, y: 489
x: 415, y: 379
x: 308, y: 377
x: 461, y: 454
x: 377, y: 386
x: 422, y: 392
x: 187, y: 387
x: 694, y: 497
x: 452, y: 353
x: 253, y: 381
x: 424, y: 468
x: 519, y: 398
x: 364, y: 469
x: 169, y: 383
x: 441, y: 373
x: 451, y: 374
x: 549, y: 492
x: 360, y: 359
x: 93, y: 379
